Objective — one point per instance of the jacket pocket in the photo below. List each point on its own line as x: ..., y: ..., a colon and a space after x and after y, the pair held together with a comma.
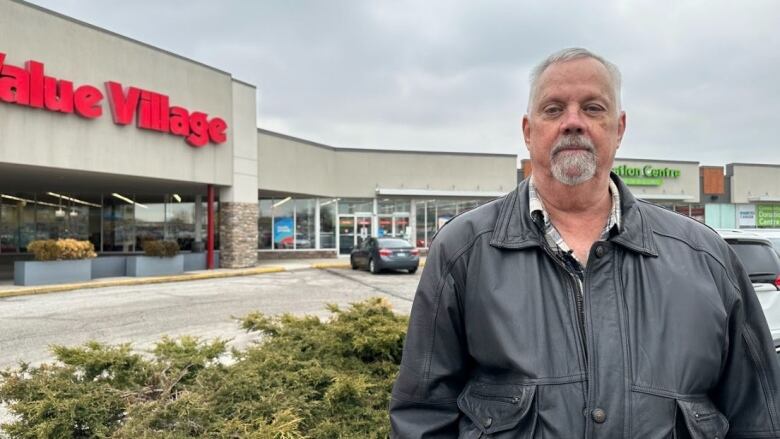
x: 702, y: 420
x: 495, y: 408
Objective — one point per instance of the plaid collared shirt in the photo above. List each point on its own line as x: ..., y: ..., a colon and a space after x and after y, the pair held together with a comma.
x: 554, y: 238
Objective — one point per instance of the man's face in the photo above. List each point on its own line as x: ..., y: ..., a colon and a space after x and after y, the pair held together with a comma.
x: 573, y: 127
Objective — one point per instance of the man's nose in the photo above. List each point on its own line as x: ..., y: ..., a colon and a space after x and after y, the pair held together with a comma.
x: 573, y: 123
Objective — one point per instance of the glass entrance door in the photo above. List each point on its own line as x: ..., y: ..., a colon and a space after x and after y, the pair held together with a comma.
x: 353, y: 229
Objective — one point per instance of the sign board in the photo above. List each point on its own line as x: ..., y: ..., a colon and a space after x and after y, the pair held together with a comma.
x: 645, y: 175
x: 149, y: 110
x: 746, y: 215
x: 768, y: 215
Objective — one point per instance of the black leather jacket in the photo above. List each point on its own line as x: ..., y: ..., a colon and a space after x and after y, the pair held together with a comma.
x: 675, y: 342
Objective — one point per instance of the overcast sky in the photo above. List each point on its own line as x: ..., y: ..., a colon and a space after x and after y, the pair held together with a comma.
x: 700, y: 78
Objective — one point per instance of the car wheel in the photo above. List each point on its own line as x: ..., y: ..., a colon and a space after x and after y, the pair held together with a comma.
x: 413, y: 270
x: 352, y: 263
x: 372, y: 267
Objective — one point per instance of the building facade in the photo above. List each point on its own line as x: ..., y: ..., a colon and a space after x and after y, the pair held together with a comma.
x: 107, y: 139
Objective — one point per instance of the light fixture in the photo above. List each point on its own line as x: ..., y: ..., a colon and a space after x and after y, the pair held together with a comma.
x: 330, y: 202
x: 25, y: 200
x: 127, y: 200
x: 59, y: 213
x: 279, y: 203
x: 74, y: 200
x: 73, y: 212
x: 177, y: 198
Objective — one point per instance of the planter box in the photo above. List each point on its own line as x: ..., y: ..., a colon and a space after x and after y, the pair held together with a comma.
x: 52, y: 272
x: 139, y: 266
x: 109, y: 266
x: 197, y: 261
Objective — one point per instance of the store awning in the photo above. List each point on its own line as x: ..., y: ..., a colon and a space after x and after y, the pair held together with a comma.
x: 665, y: 197
x: 402, y: 192
x: 764, y: 198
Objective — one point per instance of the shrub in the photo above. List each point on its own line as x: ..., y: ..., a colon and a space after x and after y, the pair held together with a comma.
x: 161, y: 249
x: 307, y: 378
x: 61, y: 249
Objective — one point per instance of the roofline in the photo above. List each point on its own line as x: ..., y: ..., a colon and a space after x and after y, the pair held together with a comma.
x: 656, y: 161
x: 405, y: 151
x: 764, y: 165
x: 126, y: 38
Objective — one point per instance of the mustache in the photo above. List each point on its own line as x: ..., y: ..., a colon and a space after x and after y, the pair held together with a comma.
x: 573, y: 141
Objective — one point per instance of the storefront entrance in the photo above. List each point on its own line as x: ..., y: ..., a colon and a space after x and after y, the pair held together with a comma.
x: 353, y: 229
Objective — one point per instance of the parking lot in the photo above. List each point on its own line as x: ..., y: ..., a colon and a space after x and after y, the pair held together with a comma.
x: 206, y: 308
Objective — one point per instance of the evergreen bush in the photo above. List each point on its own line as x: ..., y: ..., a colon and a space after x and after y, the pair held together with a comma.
x: 307, y: 378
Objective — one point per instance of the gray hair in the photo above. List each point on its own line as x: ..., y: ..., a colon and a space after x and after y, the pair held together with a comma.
x: 572, y: 54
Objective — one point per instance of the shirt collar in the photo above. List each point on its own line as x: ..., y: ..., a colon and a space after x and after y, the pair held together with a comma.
x: 535, y: 204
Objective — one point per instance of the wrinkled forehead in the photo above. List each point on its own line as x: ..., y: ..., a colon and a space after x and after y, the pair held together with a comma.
x: 585, y: 77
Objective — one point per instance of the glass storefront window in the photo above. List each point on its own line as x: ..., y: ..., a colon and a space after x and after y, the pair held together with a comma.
x: 180, y: 221
x: 420, y: 224
x: 347, y: 206
x: 264, y: 223
x: 9, y: 225
x: 118, y: 233
x: 284, y: 223
x: 149, y: 219
x: 327, y: 223
x: 391, y: 206
x: 304, y: 224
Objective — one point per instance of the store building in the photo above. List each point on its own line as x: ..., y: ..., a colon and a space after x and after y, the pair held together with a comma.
x: 111, y: 140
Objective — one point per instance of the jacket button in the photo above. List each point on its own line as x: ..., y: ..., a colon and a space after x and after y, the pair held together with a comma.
x: 600, y: 251
x: 599, y: 416
x: 488, y: 422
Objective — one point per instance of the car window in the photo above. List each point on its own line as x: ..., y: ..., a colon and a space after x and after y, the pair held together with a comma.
x: 756, y: 257
x: 393, y: 243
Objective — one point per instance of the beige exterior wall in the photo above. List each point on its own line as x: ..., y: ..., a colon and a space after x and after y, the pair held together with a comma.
x: 683, y: 189
x: 751, y: 183
x: 292, y: 165
x: 89, y: 56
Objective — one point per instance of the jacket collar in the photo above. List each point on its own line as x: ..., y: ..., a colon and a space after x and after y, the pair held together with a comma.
x: 515, y: 229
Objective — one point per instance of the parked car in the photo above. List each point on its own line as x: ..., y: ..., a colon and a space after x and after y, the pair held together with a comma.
x: 763, y: 266
x: 377, y: 254
x: 773, y: 235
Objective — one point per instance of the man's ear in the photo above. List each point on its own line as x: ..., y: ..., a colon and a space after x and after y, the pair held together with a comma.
x: 621, y: 127
x: 527, y: 131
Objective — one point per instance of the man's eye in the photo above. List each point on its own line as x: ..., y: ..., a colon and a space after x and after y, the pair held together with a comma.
x: 551, y: 110
x: 594, y: 108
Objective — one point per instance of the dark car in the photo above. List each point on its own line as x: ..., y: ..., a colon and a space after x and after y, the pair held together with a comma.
x: 377, y: 254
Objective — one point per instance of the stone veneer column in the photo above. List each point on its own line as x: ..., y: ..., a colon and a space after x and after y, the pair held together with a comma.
x: 237, y: 234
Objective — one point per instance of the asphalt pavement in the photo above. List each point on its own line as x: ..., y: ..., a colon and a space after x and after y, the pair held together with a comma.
x: 141, y: 314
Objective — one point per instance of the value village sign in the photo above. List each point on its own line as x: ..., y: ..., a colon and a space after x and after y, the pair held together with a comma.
x: 30, y: 87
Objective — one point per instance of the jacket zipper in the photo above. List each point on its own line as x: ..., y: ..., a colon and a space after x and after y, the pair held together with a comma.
x: 578, y: 300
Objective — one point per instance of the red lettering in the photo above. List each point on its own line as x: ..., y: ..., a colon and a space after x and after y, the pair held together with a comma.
x: 155, y: 107
x: 165, y: 115
x: 180, y: 121
x: 145, y: 110
x: 87, y: 102
x: 123, y: 107
x: 15, y: 85
x: 58, y: 97
x: 36, y: 83
x: 199, y: 127
x: 217, y: 129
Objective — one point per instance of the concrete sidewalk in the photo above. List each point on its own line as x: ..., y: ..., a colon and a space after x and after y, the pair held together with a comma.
x: 8, y: 289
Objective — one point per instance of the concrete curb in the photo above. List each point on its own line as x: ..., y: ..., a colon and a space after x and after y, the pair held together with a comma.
x: 45, y: 289
x: 30, y: 291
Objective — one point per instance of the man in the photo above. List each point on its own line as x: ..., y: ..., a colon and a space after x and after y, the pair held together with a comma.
x: 571, y: 309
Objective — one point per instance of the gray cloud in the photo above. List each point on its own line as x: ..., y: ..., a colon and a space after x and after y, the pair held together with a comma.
x: 452, y: 75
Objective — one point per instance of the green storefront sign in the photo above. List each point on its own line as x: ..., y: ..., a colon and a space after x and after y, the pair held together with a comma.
x: 645, y: 175
x: 768, y: 215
